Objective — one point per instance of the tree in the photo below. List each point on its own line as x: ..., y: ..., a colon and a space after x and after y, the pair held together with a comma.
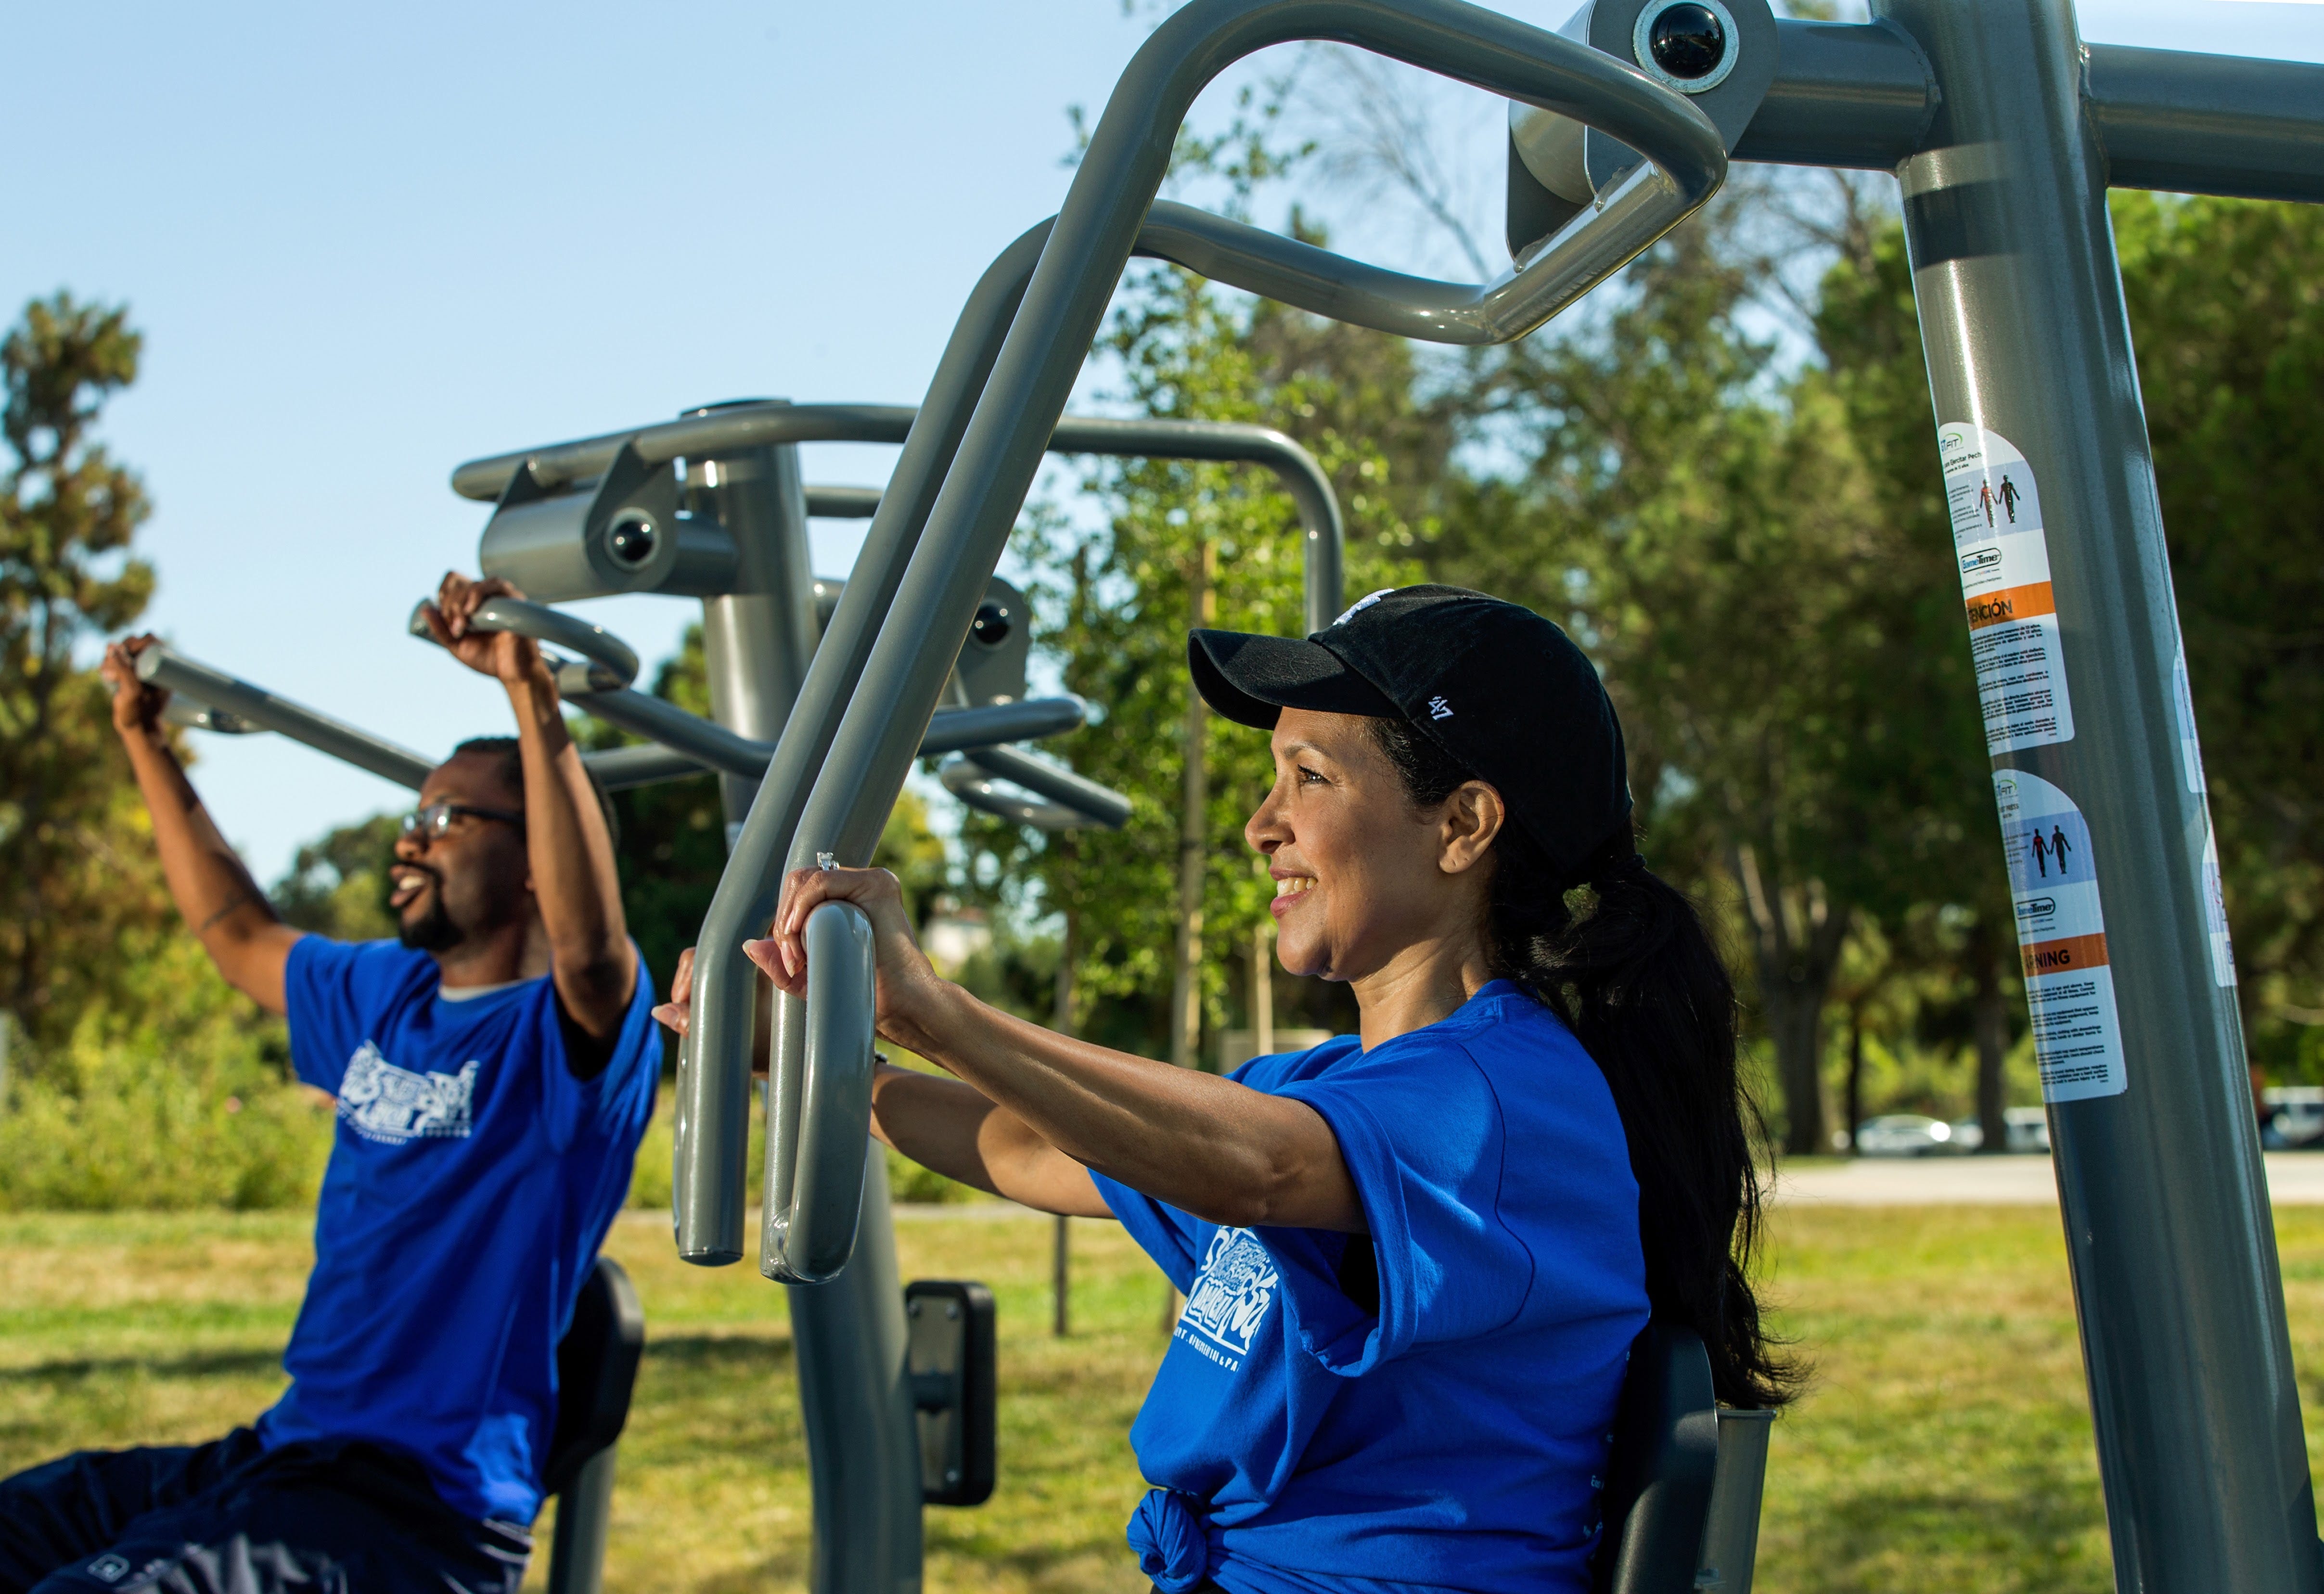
x: 76, y: 868
x: 1775, y: 640
x: 338, y: 885
x: 2228, y: 321
x: 1869, y: 332
x: 1117, y: 603
x: 673, y: 845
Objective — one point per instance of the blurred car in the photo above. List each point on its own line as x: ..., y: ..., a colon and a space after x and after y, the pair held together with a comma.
x: 2295, y: 1116
x: 1904, y: 1134
x: 2027, y: 1128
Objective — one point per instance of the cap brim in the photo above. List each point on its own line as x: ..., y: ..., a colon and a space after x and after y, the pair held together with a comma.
x: 1252, y: 680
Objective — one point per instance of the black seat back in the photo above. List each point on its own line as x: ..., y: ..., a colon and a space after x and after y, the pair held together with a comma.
x: 596, y: 1368
x: 1665, y: 1454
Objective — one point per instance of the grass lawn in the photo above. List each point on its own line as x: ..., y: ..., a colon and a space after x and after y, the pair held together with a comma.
x: 1945, y: 1444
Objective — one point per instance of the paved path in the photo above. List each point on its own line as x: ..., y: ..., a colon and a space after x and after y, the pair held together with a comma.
x: 2294, y: 1178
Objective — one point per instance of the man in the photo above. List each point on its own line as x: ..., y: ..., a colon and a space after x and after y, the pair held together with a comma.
x: 494, y: 1072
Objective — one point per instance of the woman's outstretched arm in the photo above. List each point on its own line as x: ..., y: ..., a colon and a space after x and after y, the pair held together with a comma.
x: 1205, y: 1145
x: 950, y: 1127
x: 946, y: 1126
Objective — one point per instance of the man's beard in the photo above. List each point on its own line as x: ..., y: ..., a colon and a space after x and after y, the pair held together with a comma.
x: 434, y: 931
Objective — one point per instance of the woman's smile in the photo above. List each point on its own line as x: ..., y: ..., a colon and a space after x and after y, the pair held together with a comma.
x: 1288, y: 889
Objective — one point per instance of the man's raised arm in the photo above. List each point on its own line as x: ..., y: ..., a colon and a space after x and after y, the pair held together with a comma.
x: 567, y: 846
x: 228, y: 912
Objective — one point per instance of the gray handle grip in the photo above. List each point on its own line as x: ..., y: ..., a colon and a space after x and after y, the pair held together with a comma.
x: 1105, y: 212
x: 215, y: 689
x: 616, y: 661
x: 1074, y: 801
x: 819, y: 1123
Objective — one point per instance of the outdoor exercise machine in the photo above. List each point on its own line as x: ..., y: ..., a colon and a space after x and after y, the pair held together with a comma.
x: 714, y: 506
x: 2005, y: 131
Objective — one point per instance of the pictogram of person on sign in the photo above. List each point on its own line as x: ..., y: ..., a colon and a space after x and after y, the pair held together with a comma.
x: 2009, y: 497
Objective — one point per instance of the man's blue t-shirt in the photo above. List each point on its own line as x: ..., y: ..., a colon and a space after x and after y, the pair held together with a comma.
x: 470, y: 1185
x: 1428, y: 1407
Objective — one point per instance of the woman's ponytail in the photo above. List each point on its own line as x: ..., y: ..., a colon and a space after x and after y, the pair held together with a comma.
x: 1636, y: 976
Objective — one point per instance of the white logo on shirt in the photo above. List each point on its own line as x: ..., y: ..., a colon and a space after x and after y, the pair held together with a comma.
x: 1439, y: 709
x: 1233, y: 1290
x: 383, y: 1102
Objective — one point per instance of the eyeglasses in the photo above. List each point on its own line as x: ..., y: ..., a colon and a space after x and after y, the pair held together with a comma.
x: 430, y: 823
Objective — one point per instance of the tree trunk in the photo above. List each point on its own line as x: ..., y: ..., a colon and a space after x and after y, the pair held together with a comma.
x: 1061, y: 1019
x: 1796, y: 936
x: 1989, y: 1022
x: 1262, y: 990
x: 1194, y: 799
x: 1855, y: 1077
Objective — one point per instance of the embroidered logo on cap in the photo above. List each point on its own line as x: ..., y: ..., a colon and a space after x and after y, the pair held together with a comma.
x: 1439, y: 709
x: 1360, y: 605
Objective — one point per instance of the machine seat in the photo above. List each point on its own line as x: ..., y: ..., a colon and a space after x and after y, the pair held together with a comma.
x: 1658, y: 1478
x: 596, y: 1370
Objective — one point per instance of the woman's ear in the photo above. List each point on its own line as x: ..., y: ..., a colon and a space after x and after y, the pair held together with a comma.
x: 1474, y: 816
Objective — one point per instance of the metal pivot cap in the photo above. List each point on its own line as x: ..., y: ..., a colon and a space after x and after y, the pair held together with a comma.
x: 1688, y: 45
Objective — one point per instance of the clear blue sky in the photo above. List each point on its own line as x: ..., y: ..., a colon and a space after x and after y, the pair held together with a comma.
x: 366, y: 245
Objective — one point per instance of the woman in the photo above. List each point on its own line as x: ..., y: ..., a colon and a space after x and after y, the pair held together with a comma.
x: 1415, y: 1259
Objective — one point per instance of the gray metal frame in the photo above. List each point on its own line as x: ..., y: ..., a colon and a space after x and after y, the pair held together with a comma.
x: 2165, y: 1205
x: 771, y: 422
x: 1110, y: 213
x: 2006, y: 132
x: 214, y: 688
x: 859, y: 693
x: 814, y: 1197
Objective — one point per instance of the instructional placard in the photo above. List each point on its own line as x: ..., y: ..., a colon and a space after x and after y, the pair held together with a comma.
x: 2005, y: 572
x: 2214, y: 911
x: 2190, y: 751
x: 2053, y: 887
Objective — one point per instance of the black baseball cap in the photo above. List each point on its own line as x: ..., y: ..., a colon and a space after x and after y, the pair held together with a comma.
x: 1503, y: 691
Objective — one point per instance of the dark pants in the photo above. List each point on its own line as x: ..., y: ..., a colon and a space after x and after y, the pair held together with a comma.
x: 342, y: 1518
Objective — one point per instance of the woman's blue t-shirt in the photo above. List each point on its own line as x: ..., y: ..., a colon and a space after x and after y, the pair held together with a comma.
x: 1445, y: 1424
x: 472, y: 1181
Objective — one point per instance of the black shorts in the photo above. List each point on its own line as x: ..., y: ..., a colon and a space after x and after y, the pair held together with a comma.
x: 227, y: 1517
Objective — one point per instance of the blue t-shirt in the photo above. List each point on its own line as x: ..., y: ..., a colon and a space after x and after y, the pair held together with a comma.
x: 1445, y: 1424
x: 471, y: 1183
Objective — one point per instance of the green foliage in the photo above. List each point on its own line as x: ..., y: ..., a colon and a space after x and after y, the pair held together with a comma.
x: 1115, y: 605
x: 1785, y: 645
x: 77, y: 871
x: 338, y: 886
x: 673, y: 844
x: 2228, y: 319
x: 185, y: 1105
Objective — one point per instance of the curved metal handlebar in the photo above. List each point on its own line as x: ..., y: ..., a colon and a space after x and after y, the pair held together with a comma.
x: 616, y: 661
x: 1108, y: 214
x: 749, y: 426
x: 962, y: 478
x: 713, y: 746
x: 216, y: 690
x: 1074, y: 802
x: 819, y: 1113
x: 201, y: 716
x: 1686, y: 163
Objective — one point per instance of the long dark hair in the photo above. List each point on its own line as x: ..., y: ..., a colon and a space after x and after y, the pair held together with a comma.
x: 1636, y: 978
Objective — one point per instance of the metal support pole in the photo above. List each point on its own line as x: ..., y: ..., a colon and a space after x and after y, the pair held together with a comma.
x: 757, y: 640
x: 2059, y: 533
x: 847, y: 1336
x: 584, y: 1515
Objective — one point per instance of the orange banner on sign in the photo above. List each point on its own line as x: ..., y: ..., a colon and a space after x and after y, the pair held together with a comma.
x: 2065, y: 954
x: 2011, y: 603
